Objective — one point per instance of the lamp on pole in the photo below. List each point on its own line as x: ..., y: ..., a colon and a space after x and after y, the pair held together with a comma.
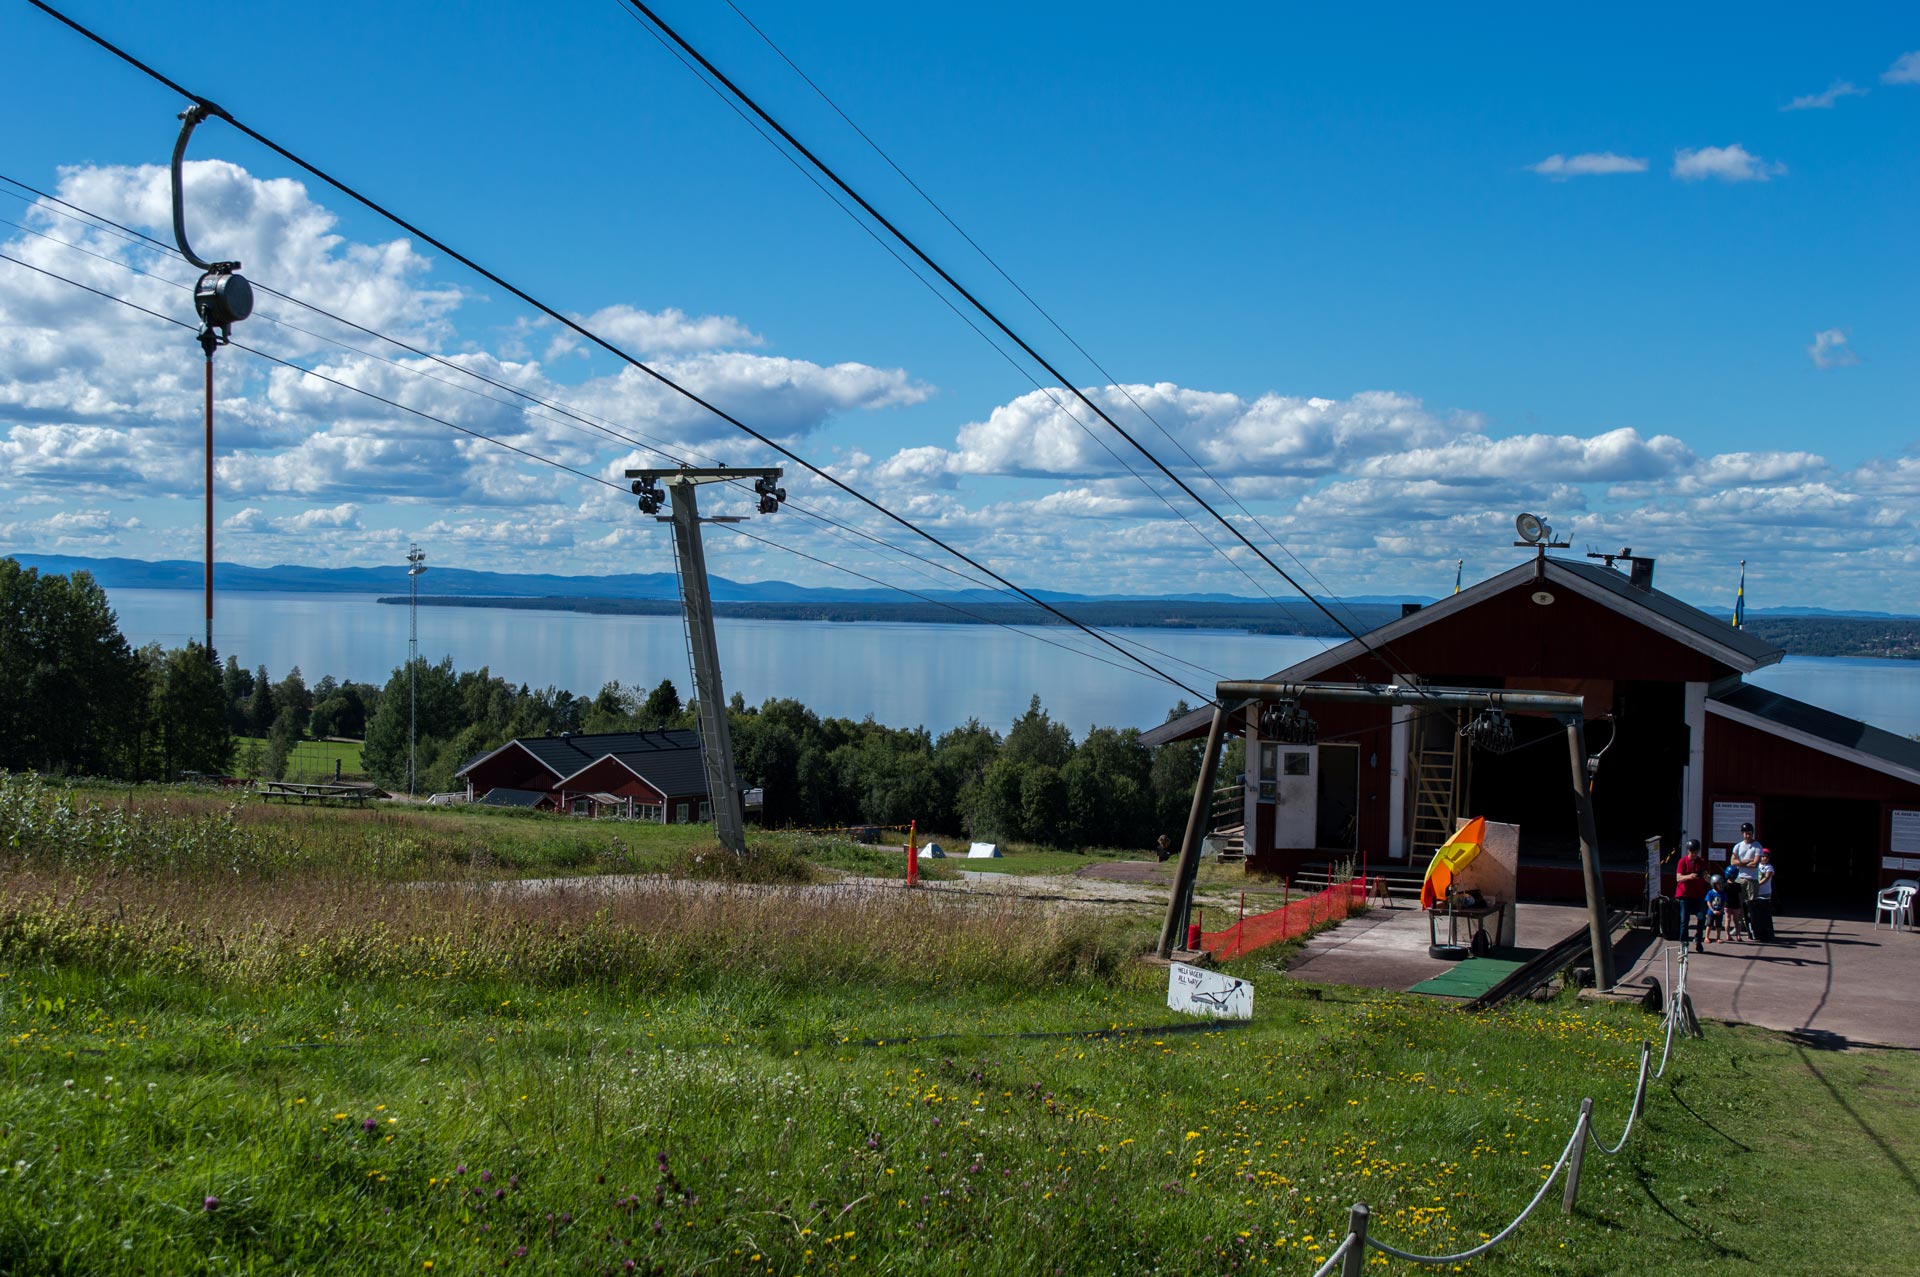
x: 416, y: 564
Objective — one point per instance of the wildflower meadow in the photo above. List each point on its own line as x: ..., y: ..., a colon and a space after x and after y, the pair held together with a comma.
x: 210, y: 1065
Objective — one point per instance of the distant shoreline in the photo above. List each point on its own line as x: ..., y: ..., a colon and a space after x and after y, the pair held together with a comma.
x: 1895, y: 639
x: 1266, y: 618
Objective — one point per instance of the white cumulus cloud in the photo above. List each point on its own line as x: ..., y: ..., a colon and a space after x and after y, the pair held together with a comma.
x: 668, y: 331
x: 1588, y: 164
x: 1824, y: 100
x: 1905, y: 69
x: 1724, y: 164
x: 1830, y: 350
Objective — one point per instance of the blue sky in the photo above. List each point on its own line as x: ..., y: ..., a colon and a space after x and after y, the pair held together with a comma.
x: 1337, y: 244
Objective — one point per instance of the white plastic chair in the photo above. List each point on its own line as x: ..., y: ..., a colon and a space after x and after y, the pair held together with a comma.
x: 1896, y: 902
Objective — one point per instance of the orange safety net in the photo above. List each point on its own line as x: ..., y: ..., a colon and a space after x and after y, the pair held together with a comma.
x: 1295, y: 918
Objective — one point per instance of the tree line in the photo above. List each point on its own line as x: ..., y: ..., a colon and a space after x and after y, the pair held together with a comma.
x: 77, y: 698
x: 1033, y: 783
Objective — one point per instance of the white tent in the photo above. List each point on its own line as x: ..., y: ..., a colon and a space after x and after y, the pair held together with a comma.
x: 983, y: 851
x: 932, y: 852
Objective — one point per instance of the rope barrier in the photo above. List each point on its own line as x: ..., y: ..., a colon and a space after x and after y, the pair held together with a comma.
x: 1639, y: 1094
x: 1339, y: 1253
x: 1676, y: 997
x: 1579, y: 1133
x: 1677, y: 1011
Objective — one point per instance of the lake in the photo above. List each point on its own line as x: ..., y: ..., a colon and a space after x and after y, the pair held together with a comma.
x: 902, y: 675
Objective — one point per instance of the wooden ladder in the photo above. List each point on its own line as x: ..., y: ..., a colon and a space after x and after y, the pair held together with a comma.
x: 1436, y: 787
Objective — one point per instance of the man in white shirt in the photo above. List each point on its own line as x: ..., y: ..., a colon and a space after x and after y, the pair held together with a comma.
x: 1746, y: 853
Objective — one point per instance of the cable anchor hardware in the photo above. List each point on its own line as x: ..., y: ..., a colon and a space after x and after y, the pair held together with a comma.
x: 221, y: 297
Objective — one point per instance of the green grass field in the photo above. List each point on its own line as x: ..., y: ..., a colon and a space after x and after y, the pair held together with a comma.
x: 310, y: 758
x: 309, y: 1070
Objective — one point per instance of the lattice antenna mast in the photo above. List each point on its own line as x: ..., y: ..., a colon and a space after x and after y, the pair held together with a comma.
x: 690, y: 560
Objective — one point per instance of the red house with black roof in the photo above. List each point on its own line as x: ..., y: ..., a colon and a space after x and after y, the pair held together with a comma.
x: 1686, y: 747
x: 656, y: 776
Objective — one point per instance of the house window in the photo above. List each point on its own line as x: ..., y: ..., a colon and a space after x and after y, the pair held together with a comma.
x: 654, y: 812
x: 706, y: 811
x: 1298, y: 763
x: 583, y: 806
x: 682, y: 813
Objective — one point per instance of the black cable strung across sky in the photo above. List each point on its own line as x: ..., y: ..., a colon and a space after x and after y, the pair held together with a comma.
x: 945, y: 300
x: 606, y: 345
x: 140, y: 239
x: 991, y: 316
x: 1045, y: 314
x: 582, y: 474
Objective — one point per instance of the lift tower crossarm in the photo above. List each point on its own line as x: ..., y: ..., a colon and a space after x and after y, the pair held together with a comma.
x: 1568, y: 708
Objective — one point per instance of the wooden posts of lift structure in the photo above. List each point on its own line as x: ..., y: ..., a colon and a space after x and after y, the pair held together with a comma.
x: 1172, y: 930
x: 1567, y: 707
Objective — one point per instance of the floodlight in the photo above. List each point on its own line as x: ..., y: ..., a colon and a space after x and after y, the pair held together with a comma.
x: 1532, y: 528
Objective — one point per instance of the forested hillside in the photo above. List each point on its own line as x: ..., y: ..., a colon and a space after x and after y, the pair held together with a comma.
x: 1894, y: 639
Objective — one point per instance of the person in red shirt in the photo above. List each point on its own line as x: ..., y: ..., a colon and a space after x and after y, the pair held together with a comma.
x: 1690, y: 888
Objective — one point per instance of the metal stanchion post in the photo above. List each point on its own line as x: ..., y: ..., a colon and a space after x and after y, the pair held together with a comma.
x: 1581, y: 1130
x: 1354, y: 1262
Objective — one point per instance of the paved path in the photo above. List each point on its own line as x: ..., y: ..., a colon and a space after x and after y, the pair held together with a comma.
x: 1831, y: 982
x: 1386, y: 947
x: 1834, y: 982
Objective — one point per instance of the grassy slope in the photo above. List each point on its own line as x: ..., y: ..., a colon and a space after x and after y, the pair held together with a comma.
x: 823, y: 1075
x: 787, y: 1139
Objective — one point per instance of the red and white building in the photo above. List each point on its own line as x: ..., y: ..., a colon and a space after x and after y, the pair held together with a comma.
x: 1687, y: 747
x: 655, y: 776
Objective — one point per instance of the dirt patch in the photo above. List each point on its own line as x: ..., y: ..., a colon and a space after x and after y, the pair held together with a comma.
x: 1128, y: 871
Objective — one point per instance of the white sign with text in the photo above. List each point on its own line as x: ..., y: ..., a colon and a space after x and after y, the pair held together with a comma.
x: 1201, y: 992
x: 1727, y: 819
x: 1906, y: 832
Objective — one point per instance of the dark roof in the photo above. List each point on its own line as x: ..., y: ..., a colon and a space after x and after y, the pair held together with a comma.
x: 1822, y: 725
x: 676, y: 773
x: 568, y: 754
x: 670, y: 761
x: 1607, y: 586
x: 504, y: 797
x: 1711, y: 628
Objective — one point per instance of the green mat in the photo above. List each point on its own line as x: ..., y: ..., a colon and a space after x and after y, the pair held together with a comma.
x: 1471, y: 977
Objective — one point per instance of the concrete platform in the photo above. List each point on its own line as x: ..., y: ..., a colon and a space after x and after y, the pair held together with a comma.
x: 1832, y: 982
x: 1386, y: 948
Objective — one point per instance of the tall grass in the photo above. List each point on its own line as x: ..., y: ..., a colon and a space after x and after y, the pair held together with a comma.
x: 192, y: 832
x: 637, y: 932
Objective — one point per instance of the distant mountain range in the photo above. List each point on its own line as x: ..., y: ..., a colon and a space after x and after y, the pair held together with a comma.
x: 465, y: 583
x: 183, y: 574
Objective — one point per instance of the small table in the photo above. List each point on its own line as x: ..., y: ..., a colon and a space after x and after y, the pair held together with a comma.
x: 1495, y: 909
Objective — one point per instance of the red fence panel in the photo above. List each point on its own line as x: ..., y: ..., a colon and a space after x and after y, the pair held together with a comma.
x: 1295, y: 918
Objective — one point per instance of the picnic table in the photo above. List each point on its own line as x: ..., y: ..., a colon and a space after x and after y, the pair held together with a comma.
x: 294, y: 792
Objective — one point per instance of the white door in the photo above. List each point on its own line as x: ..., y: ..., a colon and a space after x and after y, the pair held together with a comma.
x: 1296, y: 799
